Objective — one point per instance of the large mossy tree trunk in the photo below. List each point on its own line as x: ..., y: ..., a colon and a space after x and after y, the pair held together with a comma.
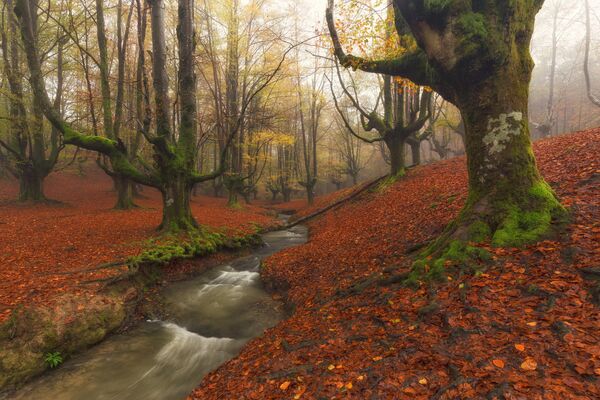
x: 177, y: 211
x: 508, y: 199
x: 476, y: 55
x: 125, y: 194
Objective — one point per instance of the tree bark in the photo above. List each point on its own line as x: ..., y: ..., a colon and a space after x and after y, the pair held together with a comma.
x: 31, y: 184
x: 478, y: 58
x: 415, y: 149
x: 397, y: 156
x: 177, y: 213
x: 508, y: 199
x: 125, y: 193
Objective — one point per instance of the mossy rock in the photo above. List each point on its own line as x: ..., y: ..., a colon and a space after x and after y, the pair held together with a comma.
x: 63, y: 328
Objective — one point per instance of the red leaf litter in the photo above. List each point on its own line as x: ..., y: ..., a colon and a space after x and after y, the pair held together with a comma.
x: 41, y: 245
x: 524, y: 329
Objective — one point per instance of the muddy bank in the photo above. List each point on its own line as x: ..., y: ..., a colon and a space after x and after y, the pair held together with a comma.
x: 34, y: 337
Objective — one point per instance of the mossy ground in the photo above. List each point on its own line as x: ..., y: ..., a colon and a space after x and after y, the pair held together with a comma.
x: 536, y: 216
x: 388, y: 182
x: 31, y: 333
x: 193, y: 243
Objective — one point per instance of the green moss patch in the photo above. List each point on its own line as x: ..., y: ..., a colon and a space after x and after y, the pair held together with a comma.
x: 197, y: 243
x: 388, y: 182
x: 532, y: 222
x: 457, y: 254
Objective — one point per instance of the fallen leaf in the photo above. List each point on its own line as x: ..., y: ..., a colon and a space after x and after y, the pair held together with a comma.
x: 520, y: 347
x: 284, y: 385
x: 423, y: 381
x: 529, y: 364
x: 498, y: 363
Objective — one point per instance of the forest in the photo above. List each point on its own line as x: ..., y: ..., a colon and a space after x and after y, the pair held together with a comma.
x: 299, y: 199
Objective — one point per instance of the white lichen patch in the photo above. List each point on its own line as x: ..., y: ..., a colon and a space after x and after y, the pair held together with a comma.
x: 501, y: 130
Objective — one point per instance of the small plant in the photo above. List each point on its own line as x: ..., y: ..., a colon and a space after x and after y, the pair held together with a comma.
x: 53, y: 359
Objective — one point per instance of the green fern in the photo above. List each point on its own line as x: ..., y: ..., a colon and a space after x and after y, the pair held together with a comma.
x: 53, y: 359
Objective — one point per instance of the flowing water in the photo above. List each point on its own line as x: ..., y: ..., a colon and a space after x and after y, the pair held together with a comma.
x: 213, y: 316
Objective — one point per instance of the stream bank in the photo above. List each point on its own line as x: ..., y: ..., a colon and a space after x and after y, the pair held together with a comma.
x: 77, y: 321
x: 210, y: 318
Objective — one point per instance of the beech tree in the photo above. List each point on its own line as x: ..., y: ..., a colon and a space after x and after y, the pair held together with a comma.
x: 174, y: 170
x: 594, y: 99
x: 31, y: 154
x: 406, y: 110
x: 476, y: 55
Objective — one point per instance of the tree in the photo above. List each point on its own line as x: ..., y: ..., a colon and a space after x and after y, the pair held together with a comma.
x: 173, y: 173
x: 112, y: 124
x: 476, y: 55
x: 311, y: 103
x: 30, y: 161
x: 586, y: 69
x: 406, y: 110
x: 440, y: 142
x: 349, y: 149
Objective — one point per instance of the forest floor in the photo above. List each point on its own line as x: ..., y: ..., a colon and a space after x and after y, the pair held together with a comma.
x: 526, y: 328
x: 43, y: 247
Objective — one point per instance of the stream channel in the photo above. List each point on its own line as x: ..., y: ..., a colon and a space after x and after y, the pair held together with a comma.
x: 212, y: 317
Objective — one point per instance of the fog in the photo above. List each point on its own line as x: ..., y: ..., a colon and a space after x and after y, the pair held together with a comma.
x: 571, y: 110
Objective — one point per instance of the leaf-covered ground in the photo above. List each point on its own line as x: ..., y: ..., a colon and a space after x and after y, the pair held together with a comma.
x: 524, y: 329
x: 41, y: 246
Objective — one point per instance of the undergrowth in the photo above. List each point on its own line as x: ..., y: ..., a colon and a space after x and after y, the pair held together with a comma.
x: 197, y: 243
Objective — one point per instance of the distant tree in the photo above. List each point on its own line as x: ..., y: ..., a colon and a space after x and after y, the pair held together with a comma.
x: 476, y: 55
x: 406, y: 109
x: 310, y: 105
x: 173, y: 171
x: 31, y: 154
x: 588, y: 38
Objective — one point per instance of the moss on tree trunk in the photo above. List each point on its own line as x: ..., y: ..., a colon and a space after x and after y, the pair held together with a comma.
x: 508, y: 201
x: 177, y: 212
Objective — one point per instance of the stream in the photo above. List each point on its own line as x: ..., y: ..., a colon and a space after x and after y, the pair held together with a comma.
x: 212, y: 317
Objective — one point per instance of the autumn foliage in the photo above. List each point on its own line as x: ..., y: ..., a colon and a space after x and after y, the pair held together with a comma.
x: 523, y: 328
x: 45, y: 248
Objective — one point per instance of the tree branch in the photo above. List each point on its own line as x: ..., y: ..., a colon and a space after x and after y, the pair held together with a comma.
x: 413, y: 65
x: 110, y: 148
x: 345, y: 120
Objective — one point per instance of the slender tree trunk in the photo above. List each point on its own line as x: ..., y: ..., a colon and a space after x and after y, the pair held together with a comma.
x: 310, y: 193
x: 415, y: 149
x: 397, y: 159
